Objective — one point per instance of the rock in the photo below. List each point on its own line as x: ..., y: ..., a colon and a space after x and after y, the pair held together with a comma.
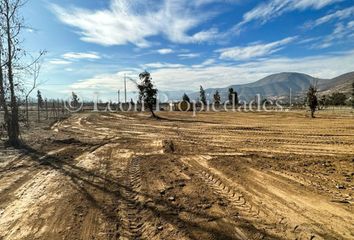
x: 172, y: 199
x: 182, y: 184
x: 160, y: 228
x: 162, y: 192
x: 339, y: 186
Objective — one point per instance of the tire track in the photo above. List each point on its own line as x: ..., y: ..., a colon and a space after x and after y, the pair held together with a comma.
x: 134, y: 220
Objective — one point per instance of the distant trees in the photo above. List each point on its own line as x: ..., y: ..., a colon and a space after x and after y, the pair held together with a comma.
x: 312, y: 99
x: 323, y: 102
x: 337, y: 99
x: 202, y: 95
x: 185, y: 98
x: 147, y: 92
x: 217, y: 98
x: 233, y: 97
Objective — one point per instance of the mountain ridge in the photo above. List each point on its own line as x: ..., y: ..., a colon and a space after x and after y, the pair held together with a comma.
x: 280, y: 84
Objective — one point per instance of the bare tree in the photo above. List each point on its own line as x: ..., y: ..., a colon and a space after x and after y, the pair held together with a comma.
x: 11, y: 25
x: 34, y: 71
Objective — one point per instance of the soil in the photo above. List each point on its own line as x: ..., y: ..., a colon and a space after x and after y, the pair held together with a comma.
x: 213, y: 176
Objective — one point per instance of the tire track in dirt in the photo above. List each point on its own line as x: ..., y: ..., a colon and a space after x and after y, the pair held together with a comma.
x: 134, y: 218
x: 246, y: 209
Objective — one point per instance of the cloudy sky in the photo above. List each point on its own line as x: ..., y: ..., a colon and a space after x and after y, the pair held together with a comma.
x: 91, y: 44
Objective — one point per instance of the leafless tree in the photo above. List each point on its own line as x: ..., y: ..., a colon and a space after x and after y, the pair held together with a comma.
x: 11, y: 55
x: 34, y: 71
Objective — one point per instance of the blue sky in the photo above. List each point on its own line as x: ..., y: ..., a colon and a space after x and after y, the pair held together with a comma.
x: 183, y: 43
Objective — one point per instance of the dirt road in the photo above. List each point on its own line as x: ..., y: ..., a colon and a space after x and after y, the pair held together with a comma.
x: 215, y: 176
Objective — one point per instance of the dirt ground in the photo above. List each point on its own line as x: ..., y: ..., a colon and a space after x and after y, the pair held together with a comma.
x: 213, y: 176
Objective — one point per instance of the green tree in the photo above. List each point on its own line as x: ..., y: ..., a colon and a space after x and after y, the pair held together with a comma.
x: 338, y: 99
x: 202, y: 95
x: 39, y: 99
x: 186, y: 98
x: 147, y: 92
x: 233, y: 97
x: 323, y: 101
x: 312, y: 99
x: 217, y: 98
x: 39, y: 104
x: 74, y: 99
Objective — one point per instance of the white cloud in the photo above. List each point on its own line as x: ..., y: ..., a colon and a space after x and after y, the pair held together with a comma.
x: 78, y: 55
x: 340, y: 15
x: 165, y: 51
x: 342, y: 32
x: 188, y: 55
x: 134, y: 21
x: 218, y: 75
x: 59, y: 62
x: 207, y: 62
x: 253, y: 51
x: 162, y: 65
x: 264, y: 12
x: 106, y: 82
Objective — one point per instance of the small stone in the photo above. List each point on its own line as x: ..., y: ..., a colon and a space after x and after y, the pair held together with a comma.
x: 339, y: 186
x: 160, y: 228
x: 171, y: 199
x: 181, y: 184
x: 162, y: 192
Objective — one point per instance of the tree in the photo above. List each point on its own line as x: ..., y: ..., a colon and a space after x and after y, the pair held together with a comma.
x: 233, y: 97
x: 186, y: 98
x: 74, y: 100
x: 217, y: 98
x: 338, y: 99
x: 40, y: 99
x: 33, y: 70
x: 10, y: 27
x: 312, y: 99
x: 40, y: 104
x: 11, y: 64
x: 202, y: 96
x: 147, y: 92
x: 323, y: 101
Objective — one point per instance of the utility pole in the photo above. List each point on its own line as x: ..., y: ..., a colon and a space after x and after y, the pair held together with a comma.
x: 125, y: 88
x: 118, y: 97
x: 290, y: 97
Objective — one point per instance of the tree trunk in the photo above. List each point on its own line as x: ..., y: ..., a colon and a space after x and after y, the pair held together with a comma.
x: 27, y: 118
x: 152, y: 113
x: 2, y: 97
x: 39, y: 111
x: 13, y: 128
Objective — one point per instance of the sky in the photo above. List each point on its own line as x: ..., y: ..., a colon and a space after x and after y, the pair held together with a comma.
x: 92, y: 44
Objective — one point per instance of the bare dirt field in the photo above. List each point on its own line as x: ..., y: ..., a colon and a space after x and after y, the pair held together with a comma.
x: 213, y: 176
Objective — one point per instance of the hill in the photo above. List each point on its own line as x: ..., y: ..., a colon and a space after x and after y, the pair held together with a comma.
x: 279, y: 85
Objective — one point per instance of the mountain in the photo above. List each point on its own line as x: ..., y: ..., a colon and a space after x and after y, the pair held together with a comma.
x: 279, y: 85
x: 342, y: 83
